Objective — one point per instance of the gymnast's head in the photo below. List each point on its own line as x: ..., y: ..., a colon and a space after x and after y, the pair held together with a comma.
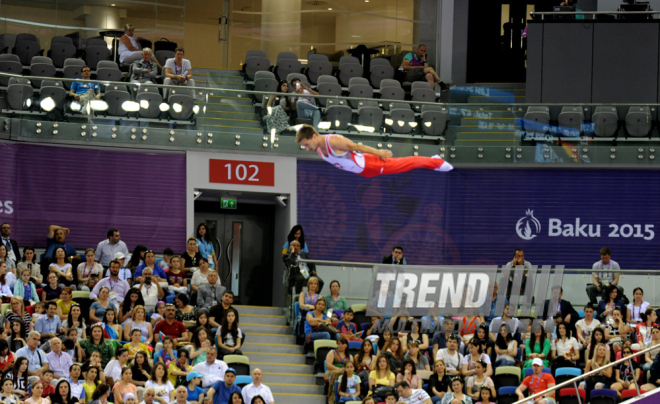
x: 308, y: 137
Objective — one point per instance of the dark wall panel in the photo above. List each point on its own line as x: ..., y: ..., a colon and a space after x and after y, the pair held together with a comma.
x: 534, y: 62
x: 567, y: 64
x: 625, y: 62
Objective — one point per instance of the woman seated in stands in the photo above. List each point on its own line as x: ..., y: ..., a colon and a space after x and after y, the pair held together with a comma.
x: 439, y: 382
x: 649, y: 356
x: 75, y: 320
x: 141, y: 370
x: 469, y: 327
x: 137, y: 258
x: 296, y: 233
x: 29, y: 261
x: 132, y: 299
x: 394, y: 353
x: 480, y: 380
x: 597, y: 337
x: 335, y: 302
x: 644, y: 327
x: 414, y: 335
x: 365, y: 362
x: 625, y: 374
x: 601, y: 379
x: 606, y: 306
x: 317, y: 324
x: 278, y: 109
x: 307, y: 300
x: 129, y: 49
x: 97, y: 309
x: 138, y: 320
x: 184, y: 310
x: 381, y: 376
x: 135, y: 345
x: 11, y: 265
x: 17, y: 312
x: 61, y: 268
x: 456, y: 395
x: 335, y: 361
x: 482, y: 337
x: 475, y: 355
x: 97, y: 343
x: 229, y: 336
x: 201, y: 343
x: 89, y: 272
x: 190, y: 258
x: 52, y: 290
x: 586, y: 326
x: 616, y: 330
x: 415, y: 354
x: 636, y: 308
x: 65, y: 303
x: 537, y: 346
x: 565, y: 349
x: 112, y: 326
x: 506, y: 348
x: 409, y: 374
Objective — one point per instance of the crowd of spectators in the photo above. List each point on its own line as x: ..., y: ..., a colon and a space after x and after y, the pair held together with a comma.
x: 99, y: 328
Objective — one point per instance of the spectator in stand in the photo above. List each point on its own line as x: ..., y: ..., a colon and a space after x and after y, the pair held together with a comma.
x: 209, y: 294
x: 136, y: 344
x: 58, y: 361
x: 564, y: 307
x: 179, y: 367
x: 636, y: 307
x: 518, y: 260
x: 439, y: 383
x: 221, y: 390
x: 479, y: 381
x: 37, y: 393
x: 212, y: 369
x: 506, y: 348
x: 17, y: 312
x: 140, y: 369
x: 89, y: 272
x: 6, y: 356
x: 456, y: 394
x: 76, y: 383
x: 18, y: 336
x: 49, y: 325
x: 606, y: 306
x: 586, y: 325
x: 616, y: 330
x: 409, y: 374
x: 184, y: 310
x: 191, y: 257
x: 308, y: 299
x: 201, y: 343
x: 299, y: 272
x: 537, y: 347
x: 137, y: 258
x: 25, y: 289
x: 52, y: 290
x: 229, y: 336
x: 97, y: 343
x: 536, y: 383
x: 112, y: 326
x: 108, y: 249
x: 256, y: 388
x: 122, y: 386
x: 297, y: 233
x: 305, y: 106
x: 394, y: 352
x: 419, y: 359
x: 132, y: 299
x: 439, y: 340
x: 65, y: 303
x: 150, y: 262
x: 4, y: 258
x: 195, y: 393
x: 277, y: 117
x: 565, y: 349
x: 602, y: 378
x: 178, y: 72
x: 117, y: 287
x: 597, y: 337
x: 217, y: 312
x: 98, y: 308
x: 145, y: 71
x: 61, y: 268
x: 334, y: 301
x: 644, y: 328
x: 200, y: 276
x: 417, y: 69
x: 37, y: 360
x: 177, y: 279
x: 57, y: 238
x: 205, y: 244
x: 150, y: 289
x: 162, y: 387
x: 601, y: 280
x: 314, y: 320
x: 83, y: 90
x: 171, y: 327
x: 12, y: 246
x: 626, y: 374
x: 475, y: 355
x: 450, y: 356
x: 493, y: 304
x: 396, y: 258
x: 167, y: 257
x: 124, y: 273
x: 29, y: 261
x: 7, y: 281
x: 381, y: 375
x: 655, y: 342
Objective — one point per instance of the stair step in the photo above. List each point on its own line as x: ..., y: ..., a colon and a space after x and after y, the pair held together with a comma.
x: 238, y: 130
x: 270, y: 357
x: 265, y: 319
x: 266, y: 328
x: 240, y: 123
x: 229, y: 107
x: 289, y: 378
x: 270, y: 310
x: 295, y: 388
x: 266, y: 338
x: 252, y: 346
x: 284, y: 368
x: 299, y: 399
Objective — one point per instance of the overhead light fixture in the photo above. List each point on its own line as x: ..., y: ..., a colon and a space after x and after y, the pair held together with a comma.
x: 130, y: 106
x: 47, y: 104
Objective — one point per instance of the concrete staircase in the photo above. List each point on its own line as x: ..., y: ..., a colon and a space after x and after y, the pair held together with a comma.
x: 225, y: 110
x: 271, y: 347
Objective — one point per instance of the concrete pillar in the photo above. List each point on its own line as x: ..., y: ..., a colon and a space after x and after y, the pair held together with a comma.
x: 100, y: 17
x: 281, y: 27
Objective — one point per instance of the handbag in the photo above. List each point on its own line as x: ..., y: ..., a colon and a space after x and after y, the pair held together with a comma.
x: 381, y: 391
x: 327, y: 328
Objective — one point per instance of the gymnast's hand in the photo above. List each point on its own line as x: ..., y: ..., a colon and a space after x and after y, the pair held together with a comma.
x: 384, y: 154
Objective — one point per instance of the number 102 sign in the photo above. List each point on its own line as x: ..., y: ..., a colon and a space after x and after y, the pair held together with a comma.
x: 242, y: 172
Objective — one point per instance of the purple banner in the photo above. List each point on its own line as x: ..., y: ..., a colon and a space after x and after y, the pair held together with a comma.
x: 90, y: 191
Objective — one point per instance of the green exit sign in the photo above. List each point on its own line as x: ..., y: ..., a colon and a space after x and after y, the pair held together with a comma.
x: 228, y: 203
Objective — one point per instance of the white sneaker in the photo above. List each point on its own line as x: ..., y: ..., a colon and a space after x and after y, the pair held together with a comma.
x: 445, y: 167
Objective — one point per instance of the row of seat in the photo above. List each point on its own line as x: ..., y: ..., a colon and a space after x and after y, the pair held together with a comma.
x: 638, y: 120
x: 318, y: 66
x: 148, y: 102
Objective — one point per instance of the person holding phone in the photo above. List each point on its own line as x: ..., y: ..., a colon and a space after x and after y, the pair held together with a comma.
x: 305, y: 106
x: 150, y: 290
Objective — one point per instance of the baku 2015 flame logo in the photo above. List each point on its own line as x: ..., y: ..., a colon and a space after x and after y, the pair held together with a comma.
x: 528, y: 226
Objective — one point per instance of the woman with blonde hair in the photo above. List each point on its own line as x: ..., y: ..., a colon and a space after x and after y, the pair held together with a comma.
x: 138, y: 320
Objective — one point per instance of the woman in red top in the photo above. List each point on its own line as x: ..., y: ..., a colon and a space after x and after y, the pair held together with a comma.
x: 6, y: 356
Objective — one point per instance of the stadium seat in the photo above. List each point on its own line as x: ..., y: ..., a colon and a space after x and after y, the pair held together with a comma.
x: 603, y: 396
x: 264, y: 85
x: 286, y: 66
x: 327, y: 79
x: 74, y: 62
x: 95, y: 53
x: 9, y: 66
x: 108, y: 74
x: 506, y: 376
x: 115, y: 96
x: 10, y: 57
x: 348, y: 60
x: 638, y: 121
x: 628, y: 394
x: 507, y: 395
x: 537, y: 119
x: 354, y: 81
x: 606, y: 123
x: 26, y: 49
x: 19, y: 96
x: 422, y: 95
x: 317, y: 57
x: 42, y: 70
x: 321, y: 349
x: 389, y: 83
x: 316, y: 69
x: 243, y: 380
x: 346, y: 71
x: 434, y: 119
x: 4, y: 307
x: 291, y: 76
x: 53, y: 89
x: 255, y: 53
x: 163, y: 55
x: 380, y: 62
x: 71, y: 72
x: 240, y: 363
x: 361, y: 91
x: 420, y: 84
x: 254, y: 64
x: 107, y: 64
x: 378, y: 73
x: 60, y: 51
x: 286, y: 56
x: 570, y: 120
x: 370, y: 115
x: 569, y: 396
x: 328, y: 89
x: 41, y: 59
x: 264, y: 74
x: 183, y: 98
x: 387, y: 94
x: 565, y: 374
x: 529, y: 371
x: 96, y: 41
x: 149, y: 104
x: 339, y: 116
x: 402, y: 117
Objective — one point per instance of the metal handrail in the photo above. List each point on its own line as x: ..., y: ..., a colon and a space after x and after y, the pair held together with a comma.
x: 542, y: 13
x: 585, y: 375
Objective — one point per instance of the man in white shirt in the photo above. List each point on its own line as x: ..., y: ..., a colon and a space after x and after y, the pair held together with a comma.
x: 257, y: 389
x: 213, y: 369
x: 59, y: 361
x: 603, y: 279
x: 110, y: 247
x: 451, y: 356
x: 124, y: 273
x: 410, y: 396
x: 178, y: 71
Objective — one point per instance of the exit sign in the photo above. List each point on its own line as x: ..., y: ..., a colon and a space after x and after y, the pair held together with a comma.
x: 228, y: 203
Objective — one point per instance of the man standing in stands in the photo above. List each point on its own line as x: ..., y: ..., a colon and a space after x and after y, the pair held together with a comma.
x: 396, y: 258
x: 601, y: 280
x: 145, y: 70
x: 417, y: 69
x: 12, y: 246
x: 363, y: 160
x: 299, y: 272
x: 107, y: 249
x: 257, y: 389
x: 84, y: 91
x: 178, y: 72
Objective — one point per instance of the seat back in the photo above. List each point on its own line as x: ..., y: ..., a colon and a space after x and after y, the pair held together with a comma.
x: 61, y: 39
x: 43, y: 70
x: 60, y: 52
x: 339, y: 116
x: 286, y: 66
x: 328, y: 89
x: 255, y: 52
x: 95, y: 53
x: 638, y: 121
x: 423, y: 95
x: 73, y: 62
x: 71, y: 72
x: 326, y: 78
x: 243, y: 380
x: 353, y: 81
x: 390, y: 83
x: 9, y: 57
x: 264, y: 74
x: 419, y: 84
x: 360, y: 90
x: 26, y: 50
x: 41, y: 59
x: 388, y: 94
x: 107, y: 64
x: 286, y: 55
x: 379, y: 73
x: 27, y: 37
x: 109, y: 74
x: 8, y: 66
x: 380, y: 62
x: 56, y: 93
x: 187, y: 102
x: 348, y: 60
x: 347, y: 71
x: 317, y: 69
x: 97, y: 41
x: 163, y: 55
x: 19, y: 96
x: 370, y: 116
x: 115, y: 99
x: 149, y: 104
x: 317, y: 57
x: 254, y: 64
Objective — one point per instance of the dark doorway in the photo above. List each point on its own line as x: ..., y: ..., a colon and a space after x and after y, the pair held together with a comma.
x: 245, y: 243
x: 496, y: 48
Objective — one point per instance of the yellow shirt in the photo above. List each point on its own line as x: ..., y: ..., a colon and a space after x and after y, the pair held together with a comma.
x: 65, y: 308
x: 89, y: 390
x: 132, y: 350
x: 385, y: 381
x: 173, y: 366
